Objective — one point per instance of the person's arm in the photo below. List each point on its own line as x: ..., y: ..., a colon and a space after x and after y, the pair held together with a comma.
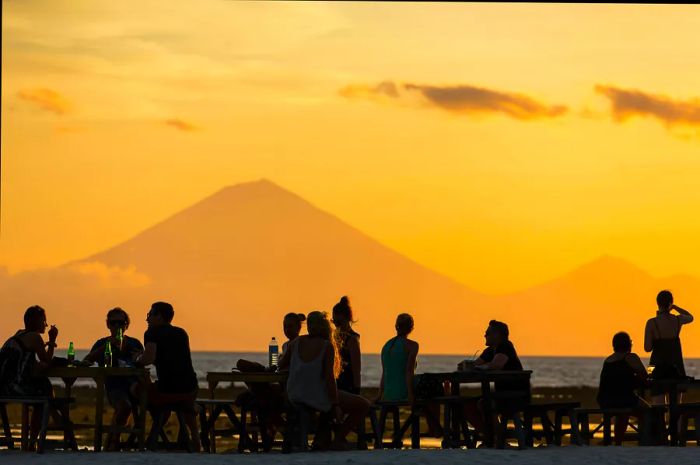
x: 684, y: 316
x: 283, y: 364
x: 94, y: 354
x: 479, y: 361
x: 356, y: 361
x: 498, y: 362
x: 148, y: 356
x: 44, y: 352
x: 411, y: 370
x: 637, y: 365
x: 648, y: 336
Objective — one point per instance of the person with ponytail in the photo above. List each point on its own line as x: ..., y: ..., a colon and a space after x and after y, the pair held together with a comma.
x: 349, y: 347
x: 291, y: 326
x: 314, y: 365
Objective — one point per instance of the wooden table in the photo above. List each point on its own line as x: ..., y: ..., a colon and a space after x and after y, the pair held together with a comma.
x: 484, y: 378
x: 99, y: 375
x: 673, y: 387
x: 216, y: 377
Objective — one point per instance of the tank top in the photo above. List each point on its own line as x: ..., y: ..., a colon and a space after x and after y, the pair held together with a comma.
x: 667, y: 351
x: 306, y: 384
x: 394, y: 360
x: 346, y: 379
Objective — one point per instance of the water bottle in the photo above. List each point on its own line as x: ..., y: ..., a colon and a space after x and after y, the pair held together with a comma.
x: 273, y: 353
x: 108, y: 355
x: 71, y: 354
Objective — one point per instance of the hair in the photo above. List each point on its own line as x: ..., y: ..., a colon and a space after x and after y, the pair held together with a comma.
x: 298, y: 318
x: 501, y: 328
x: 404, y: 324
x: 318, y: 325
x: 122, y: 311
x: 664, y: 299
x: 343, y: 309
x: 622, y: 342
x: 164, y: 309
x: 32, y: 316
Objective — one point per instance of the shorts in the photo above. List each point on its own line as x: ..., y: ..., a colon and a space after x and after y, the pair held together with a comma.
x: 157, y: 398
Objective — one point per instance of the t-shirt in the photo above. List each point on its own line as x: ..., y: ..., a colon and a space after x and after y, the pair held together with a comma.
x: 173, y: 359
x: 130, y: 346
x: 506, y: 348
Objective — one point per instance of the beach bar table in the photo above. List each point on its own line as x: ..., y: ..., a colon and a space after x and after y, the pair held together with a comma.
x: 673, y: 387
x: 218, y: 406
x: 99, y: 375
x: 484, y: 378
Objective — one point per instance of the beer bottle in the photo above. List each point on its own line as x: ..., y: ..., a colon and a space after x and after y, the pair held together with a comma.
x: 108, y: 355
x: 71, y: 354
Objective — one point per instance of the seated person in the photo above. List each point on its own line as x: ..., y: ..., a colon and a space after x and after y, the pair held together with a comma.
x: 399, y: 381
x: 349, y: 347
x: 119, y: 388
x: 168, y: 348
x: 622, y: 373
x: 500, y: 354
x: 291, y: 325
x: 314, y: 365
x: 22, y: 358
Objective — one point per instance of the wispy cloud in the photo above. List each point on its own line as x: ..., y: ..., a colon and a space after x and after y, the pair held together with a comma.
x: 46, y: 99
x: 461, y: 99
x: 627, y: 103
x: 181, y: 125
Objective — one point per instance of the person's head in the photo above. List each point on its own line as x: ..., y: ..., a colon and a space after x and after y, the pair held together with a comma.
x: 35, y: 319
x: 292, y: 324
x: 404, y: 324
x: 318, y: 325
x: 664, y: 300
x: 117, y: 318
x: 342, y: 313
x: 496, y: 333
x: 622, y: 342
x: 161, y: 313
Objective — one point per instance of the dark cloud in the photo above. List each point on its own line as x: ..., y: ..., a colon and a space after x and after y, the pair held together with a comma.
x: 181, y: 125
x: 464, y: 99
x: 629, y: 102
x: 46, y: 99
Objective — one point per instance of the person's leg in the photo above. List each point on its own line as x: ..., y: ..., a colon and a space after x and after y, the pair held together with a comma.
x: 432, y: 418
x: 191, y: 421
x: 474, y: 413
x: 122, y: 411
x: 621, y: 422
x: 355, y: 408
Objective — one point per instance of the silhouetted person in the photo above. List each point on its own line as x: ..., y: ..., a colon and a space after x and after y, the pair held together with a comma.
x: 623, y: 372
x: 500, y: 354
x: 168, y: 348
x: 23, y: 356
x: 349, y: 341
x: 119, y: 388
x: 662, y: 339
x: 291, y: 326
x: 314, y: 365
x: 399, y: 363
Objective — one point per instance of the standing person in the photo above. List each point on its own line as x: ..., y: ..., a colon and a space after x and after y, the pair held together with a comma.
x: 623, y: 372
x: 168, y: 348
x: 119, y: 388
x: 662, y: 339
x: 291, y: 325
x: 349, y: 379
x: 314, y: 365
x: 22, y: 358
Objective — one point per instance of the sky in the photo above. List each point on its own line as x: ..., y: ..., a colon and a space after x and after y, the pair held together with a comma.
x: 499, y: 144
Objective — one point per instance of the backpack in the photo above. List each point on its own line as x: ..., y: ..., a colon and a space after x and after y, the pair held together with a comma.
x: 16, y: 369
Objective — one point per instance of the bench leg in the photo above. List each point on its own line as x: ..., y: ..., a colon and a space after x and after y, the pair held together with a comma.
x: 6, y: 427
x: 44, y: 427
x: 607, y: 427
x: 415, y: 427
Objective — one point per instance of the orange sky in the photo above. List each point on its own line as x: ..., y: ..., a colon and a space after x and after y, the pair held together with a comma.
x: 469, y: 137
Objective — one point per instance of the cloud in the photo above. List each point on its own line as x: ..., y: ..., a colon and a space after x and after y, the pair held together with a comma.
x: 110, y: 277
x: 181, y: 125
x: 461, y: 99
x: 627, y: 103
x: 46, y: 99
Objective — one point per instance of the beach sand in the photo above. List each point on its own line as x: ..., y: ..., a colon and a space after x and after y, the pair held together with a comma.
x: 571, y: 455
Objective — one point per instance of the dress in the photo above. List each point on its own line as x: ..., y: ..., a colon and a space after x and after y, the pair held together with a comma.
x: 666, y: 357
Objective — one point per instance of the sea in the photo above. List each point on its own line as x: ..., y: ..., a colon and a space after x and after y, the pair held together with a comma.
x: 546, y: 371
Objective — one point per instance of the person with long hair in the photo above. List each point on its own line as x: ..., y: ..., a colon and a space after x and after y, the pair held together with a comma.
x: 314, y: 365
x: 349, y: 347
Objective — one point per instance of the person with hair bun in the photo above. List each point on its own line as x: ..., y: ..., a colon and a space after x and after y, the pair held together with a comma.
x: 399, y: 363
x: 349, y: 347
x: 314, y: 365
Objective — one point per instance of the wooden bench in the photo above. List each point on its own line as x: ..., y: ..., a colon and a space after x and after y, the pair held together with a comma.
x: 687, y: 411
x: 648, y: 415
x: 552, y: 431
x: 58, y: 406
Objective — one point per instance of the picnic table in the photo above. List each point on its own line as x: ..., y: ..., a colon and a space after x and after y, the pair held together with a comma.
x: 474, y: 376
x: 673, y: 387
x: 99, y: 375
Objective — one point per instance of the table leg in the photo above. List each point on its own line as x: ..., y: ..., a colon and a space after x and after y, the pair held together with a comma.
x: 99, y: 411
x: 673, y: 414
x: 488, y: 413
x: 143, y: 406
